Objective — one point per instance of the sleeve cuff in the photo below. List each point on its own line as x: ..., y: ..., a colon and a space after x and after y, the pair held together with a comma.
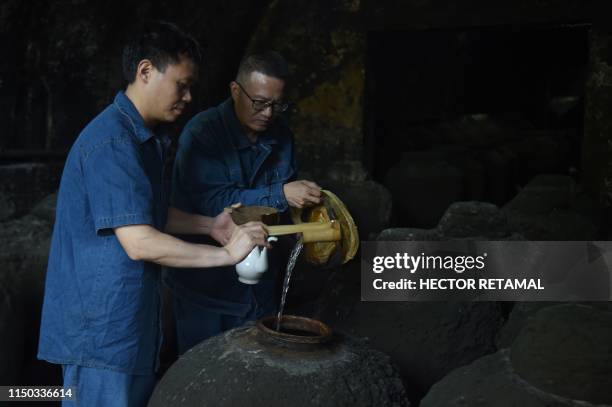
x: 123, y: 220
x: 277, y: 197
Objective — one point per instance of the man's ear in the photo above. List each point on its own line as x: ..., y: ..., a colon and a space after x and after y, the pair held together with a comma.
x: 144, y: 70
x: 234, y: 90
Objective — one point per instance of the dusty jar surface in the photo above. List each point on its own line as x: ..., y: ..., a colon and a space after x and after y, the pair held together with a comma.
x: 251, y: 366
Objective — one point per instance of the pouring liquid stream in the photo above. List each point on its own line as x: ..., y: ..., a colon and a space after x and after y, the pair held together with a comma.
x: 295, y: 252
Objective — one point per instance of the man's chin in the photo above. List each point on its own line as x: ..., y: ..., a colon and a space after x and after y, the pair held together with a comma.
x: 259, y: 127
x: 173, y: 115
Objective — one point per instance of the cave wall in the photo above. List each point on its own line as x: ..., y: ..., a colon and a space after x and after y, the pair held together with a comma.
x: 597, y: 141
x: 62, y: 59
x: 62, y: 63
x: 325, y: 46
x: 326, y: 43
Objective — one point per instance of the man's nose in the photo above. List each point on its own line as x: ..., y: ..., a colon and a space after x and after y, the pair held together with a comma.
x: 268, y: 111
x: 187, y: 96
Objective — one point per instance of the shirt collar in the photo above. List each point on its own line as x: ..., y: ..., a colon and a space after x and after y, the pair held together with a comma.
x: 125, y: 106
x: 238, y: 134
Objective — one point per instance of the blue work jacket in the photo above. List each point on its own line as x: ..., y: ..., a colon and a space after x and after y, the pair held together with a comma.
x: 216, y: 166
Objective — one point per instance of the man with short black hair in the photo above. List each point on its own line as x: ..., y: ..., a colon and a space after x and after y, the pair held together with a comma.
x: 101, y: 312
x: 239, y: 151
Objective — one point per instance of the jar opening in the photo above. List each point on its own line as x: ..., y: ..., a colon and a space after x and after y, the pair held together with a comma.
x: 295, y: 329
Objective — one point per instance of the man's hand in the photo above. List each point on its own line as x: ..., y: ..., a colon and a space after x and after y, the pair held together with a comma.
x: 244, y: 239
x: 223, y: 226
x: 302, y: 193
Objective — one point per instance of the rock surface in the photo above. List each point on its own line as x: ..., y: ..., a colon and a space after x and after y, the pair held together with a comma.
x: 15, y: 200
x: 551, y: 207
x: 465, y: 219
x: 425, y: 339
x: 470, y: 220
x: 24, y: 250
x: 561, y: 357
x: 488, y: 382
x: 566, y: 350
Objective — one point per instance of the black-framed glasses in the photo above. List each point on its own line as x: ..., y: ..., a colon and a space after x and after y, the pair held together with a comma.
x: 259, y: 105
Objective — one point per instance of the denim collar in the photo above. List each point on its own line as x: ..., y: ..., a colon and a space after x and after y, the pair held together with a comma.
x: 126, y: 107
x: 238, y: 134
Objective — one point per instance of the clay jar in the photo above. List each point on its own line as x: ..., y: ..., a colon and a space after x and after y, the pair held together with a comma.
x: 253, y: 366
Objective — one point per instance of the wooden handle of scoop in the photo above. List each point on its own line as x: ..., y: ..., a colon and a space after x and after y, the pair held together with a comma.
x: 312, y: 231
x: 277, y: 230
x: 330, y: 234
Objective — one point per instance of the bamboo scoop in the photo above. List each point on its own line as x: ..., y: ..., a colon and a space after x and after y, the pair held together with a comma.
x: 311, y: 231
x: 329, y: 232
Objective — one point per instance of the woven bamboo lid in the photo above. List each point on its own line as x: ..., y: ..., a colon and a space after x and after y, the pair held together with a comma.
x: 330, y: 252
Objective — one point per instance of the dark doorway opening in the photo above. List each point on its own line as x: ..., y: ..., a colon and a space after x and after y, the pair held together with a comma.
x: 478, y: 112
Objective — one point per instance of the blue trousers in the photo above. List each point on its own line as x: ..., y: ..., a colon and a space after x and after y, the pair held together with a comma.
x: 107, y: 388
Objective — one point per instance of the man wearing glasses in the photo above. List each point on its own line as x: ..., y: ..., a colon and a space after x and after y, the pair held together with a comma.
x: 239, y: 151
